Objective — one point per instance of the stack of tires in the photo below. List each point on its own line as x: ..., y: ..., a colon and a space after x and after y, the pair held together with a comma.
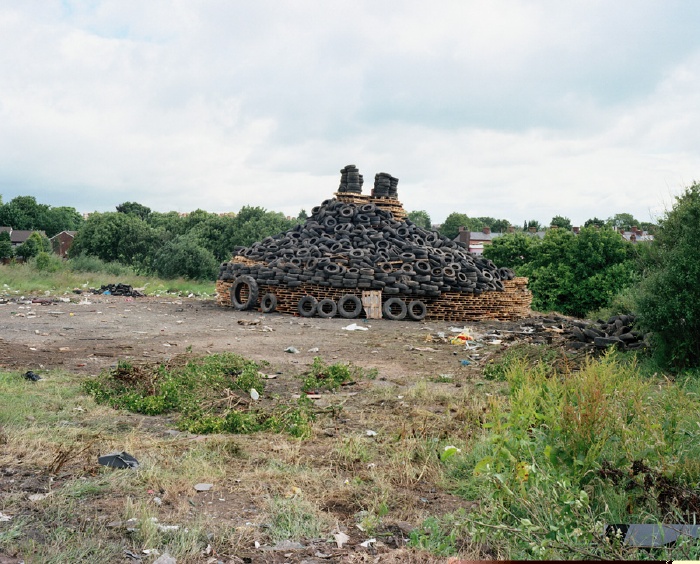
x: 385, y: 186
x: 361, y: 247
x: 350, y: 180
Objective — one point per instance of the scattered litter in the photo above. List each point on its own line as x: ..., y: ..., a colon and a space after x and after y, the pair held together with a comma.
x: 157, y: 501
x: 292, y: 350
x: 462, y: 338
x: 167, y: 528
x: 38, y: 496
x: 119, y: 290
x: 355, y: 327
x: 371, y: 433
x: 132, y: 555
x: 165, y: 558
x: 203, y: 487
x: 340, y: 538
x: 4, y: 518
x: 33, y: 376
x: 118, y: 460
x: 313, y: 396
x: 249, y: 322
x: 368, y: 543
x: 267, y: 376
x: 294, y: 491
x: 257, y: 544
x: 313, y: 350
x: 650, y: 536
x: 254, y: 395
x: 153, y: 551
x: 464, y: 362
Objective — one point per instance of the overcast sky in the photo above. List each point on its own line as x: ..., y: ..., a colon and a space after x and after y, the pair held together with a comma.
x: 504, y: 108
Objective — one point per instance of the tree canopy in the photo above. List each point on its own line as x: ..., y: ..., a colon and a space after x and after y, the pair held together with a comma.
x: 420, y: 218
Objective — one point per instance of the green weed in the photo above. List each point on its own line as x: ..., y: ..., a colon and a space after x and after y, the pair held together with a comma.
x: 323, y: 376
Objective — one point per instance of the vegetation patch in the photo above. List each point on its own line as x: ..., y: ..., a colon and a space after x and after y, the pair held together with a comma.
x: 323, y: 376
x: 212, y: 394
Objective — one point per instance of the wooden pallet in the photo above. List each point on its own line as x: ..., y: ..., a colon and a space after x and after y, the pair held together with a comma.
x: 388, y: 204
x: 511, y: 304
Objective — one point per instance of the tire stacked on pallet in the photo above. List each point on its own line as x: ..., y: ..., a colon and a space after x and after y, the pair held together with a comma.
x: 385, y: 186
x: 358, y: 247
x: 350, y: 180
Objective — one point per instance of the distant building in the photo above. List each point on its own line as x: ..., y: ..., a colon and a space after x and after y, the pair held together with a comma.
x: 19, y: 236
x: 61, y: 242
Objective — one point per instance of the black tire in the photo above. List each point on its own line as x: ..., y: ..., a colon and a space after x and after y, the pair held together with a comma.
x: 242, y: 285
x: 268, y: 303
x: 416, y: 310
x: 326, y: 308
x: 349, y: 306
x: 307, y: 306
x: 391, y: 313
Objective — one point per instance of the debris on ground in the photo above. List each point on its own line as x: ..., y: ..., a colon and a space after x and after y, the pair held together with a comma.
x: 118, y: 290
x: 33, y: 376
x: 118, y: 460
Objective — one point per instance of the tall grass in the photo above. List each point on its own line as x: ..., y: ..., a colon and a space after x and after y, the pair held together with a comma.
x: 55, y: 276
x: 570, y: 450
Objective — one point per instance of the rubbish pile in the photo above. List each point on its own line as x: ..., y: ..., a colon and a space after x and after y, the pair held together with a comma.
x: 617, y: 331
x: 345, y: 245
x: 118, y: 290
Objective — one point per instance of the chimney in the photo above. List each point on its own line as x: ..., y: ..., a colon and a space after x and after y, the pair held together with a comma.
x: 511, y: 229
x: 463, y: 236
x: 633, y: 238
x: 634, y: 229
x: 487, y: 230
x: 532, y: 229
x: 576, y: 230
x: 553, y: 226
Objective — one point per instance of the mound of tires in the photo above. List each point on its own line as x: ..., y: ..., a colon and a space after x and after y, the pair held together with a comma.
x: 360, y: 246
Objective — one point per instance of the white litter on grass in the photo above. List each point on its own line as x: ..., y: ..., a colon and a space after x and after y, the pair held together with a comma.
x: 371, y: 433
x: 340, y: 538
x: 254, y: 395
x: 4, y: 518
x: 368, y: 542
x: 355, y: 327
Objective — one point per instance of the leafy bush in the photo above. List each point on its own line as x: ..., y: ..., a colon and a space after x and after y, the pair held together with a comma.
x: 48, y: 262
x: 88, y: 263
x: 669, y: 299
x: 184, y: 256
x: 570, y: 451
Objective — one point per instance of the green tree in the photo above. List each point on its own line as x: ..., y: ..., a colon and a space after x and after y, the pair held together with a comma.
x: 420, y: 218
x: 532, y: 223
x: 450, y: 228
x: 253, y: 224
x: 303, y: 216
x: 114, y: 236
x: 184, y: 256
x: 622, y: 221
x: 593, y: 222
x: 35, y: 244
x: 60, y: 219
x: 134, y: 208
x: 512, y: 250
x: 578, y: 274
x: 669, y: 298
x: 23, y: 213
x: 6, y: 250
x: 499, y: 225
x: 561, y: 222
x: 170, y: 222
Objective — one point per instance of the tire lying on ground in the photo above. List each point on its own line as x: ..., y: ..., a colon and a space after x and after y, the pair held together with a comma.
x: 416, y: 310
x: 307, y: 306
x: 244, y: 292
x: 326, y: 308
x: 268, y: 303
x: 349, y: 306
x: 395, y: 309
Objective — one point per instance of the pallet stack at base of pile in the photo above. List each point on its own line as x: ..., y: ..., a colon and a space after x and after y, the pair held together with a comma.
x: 357, y: 251
x: 511, y: 304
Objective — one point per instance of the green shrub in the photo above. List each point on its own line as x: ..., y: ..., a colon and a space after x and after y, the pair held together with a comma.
x: 48, y: 262
x: 322, y: 376
x: 669, y: 299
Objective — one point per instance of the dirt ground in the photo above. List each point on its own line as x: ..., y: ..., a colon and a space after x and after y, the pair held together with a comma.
x: 92, y: 332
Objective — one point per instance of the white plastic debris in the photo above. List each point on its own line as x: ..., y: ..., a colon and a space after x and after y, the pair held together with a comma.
x: 368, y: 542
x: 254, y: 395
x: 355, y: 327
x: 371, y: 433
x: 340, y: 538
x: 203, y: 487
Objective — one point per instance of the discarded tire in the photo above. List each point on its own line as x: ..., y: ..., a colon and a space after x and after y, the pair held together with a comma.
x: 326, y: 308
x: 395, y: 309
x: 349, y: 306
x: 268, y: 303
x: 307, y: 306
x: 244, y: 292
x: 416, y: 310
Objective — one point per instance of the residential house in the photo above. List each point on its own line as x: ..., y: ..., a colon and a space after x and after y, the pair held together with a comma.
x: 19, y: 236
x: 61, y: 242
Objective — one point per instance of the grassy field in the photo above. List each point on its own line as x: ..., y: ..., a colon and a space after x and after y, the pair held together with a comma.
x: 20, y: 279
x: 542, y: 457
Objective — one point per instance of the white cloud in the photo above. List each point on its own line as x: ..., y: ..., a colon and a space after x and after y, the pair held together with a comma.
x: 523, y: 110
